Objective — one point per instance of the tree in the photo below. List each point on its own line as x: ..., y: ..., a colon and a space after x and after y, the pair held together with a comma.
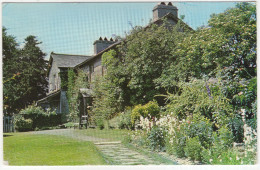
x: 34, y: 70
x: 23, y: 73
x: 10, y: 70
x: 140, y: 60
x: 227, y: 45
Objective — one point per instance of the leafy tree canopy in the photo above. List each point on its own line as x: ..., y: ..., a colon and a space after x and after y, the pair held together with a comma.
x: 23, y: 73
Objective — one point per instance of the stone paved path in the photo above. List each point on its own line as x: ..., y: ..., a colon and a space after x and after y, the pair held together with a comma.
x: 122, y: 155
x: 114, y: 152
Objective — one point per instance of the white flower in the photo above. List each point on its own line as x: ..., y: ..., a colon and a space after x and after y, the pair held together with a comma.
x: 210, y: 160
x: 237, y: 158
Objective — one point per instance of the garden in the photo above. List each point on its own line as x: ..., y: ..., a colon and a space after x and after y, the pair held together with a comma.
x: 190, y: 93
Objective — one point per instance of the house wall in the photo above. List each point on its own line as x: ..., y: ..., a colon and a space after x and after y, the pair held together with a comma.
x: 98, y: 68
x: 54, y: 79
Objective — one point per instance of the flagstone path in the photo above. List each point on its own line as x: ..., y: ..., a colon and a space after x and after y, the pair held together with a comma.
x: 122, y: 155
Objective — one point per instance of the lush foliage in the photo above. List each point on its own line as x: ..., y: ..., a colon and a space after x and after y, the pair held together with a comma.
x: 33, y: 118
x: 193, y: 148
x: 193, y: 93
x: 156, y: 138
x: 228, y: 45
x: 23, y: 73
x: 139, y: 60
x: 196, y: 97
x: 22, y: 124
x: 212, y: 104
x: 150, y: 110
x: 105, y: 103
x: 125, y: 120
x: 74, y: 83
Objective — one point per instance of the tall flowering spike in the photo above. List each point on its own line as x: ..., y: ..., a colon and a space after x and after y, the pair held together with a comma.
x: 208, y: 90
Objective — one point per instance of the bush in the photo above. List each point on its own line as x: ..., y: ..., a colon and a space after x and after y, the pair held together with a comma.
x: 125, y: 120
x: 40, y: 118
x: 150, y: 110
x: 100, y: 124
x: 156, y: 138
x: 195, y: 97
x: 22, y: 124
x: 202, y: 128
x: 193, y: 148
x: 236, y: 125
x: 177, y: 142
x: 225, y: 157
x: 225, y: 138
x: 221, y: 148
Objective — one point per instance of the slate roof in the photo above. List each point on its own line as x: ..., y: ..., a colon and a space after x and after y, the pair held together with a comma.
x: 66, y: 60
x: 49, y: 97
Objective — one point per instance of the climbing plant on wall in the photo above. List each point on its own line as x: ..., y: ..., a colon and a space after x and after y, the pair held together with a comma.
x: 75, y: 82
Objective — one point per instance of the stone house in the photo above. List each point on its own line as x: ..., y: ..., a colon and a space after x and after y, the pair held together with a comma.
x: 91, y: 65
x: 56, y: 97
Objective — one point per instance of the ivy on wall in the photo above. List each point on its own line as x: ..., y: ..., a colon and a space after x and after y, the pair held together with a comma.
x: 64, y: 79
x: 75, y: 82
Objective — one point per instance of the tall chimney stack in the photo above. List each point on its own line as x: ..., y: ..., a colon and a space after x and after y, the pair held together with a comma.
x: 162, y: 9
x: 100, y: 44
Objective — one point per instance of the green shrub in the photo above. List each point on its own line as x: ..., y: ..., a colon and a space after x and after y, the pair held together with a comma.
x: 193, y: 148
x: 221, y: 148
x: 136, y: 113
x: 236, y: 125
x: 156, y: 138
x: 195, y: 97
x: 252, y: 122
x: 150, y: 110
x: 202, y: 128
x: 22, y: 124
x: 125, y: 120
x: 178, y: 142
x: 225, y: 137
x: 40, y: 118
x: 100, y: 124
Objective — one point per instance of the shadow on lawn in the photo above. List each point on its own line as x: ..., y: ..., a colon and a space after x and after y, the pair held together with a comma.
x: 5, y: 135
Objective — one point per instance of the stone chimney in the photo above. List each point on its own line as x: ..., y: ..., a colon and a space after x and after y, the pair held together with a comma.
x: 101, y: 44
x: 162, y: 9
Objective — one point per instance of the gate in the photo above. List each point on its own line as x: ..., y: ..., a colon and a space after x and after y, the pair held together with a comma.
x: 8, y: 123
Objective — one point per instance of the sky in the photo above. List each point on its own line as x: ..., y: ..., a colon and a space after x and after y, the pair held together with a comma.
x: 71, y: 28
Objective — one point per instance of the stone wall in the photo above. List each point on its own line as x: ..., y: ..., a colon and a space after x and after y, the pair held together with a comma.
x: 54, y: 80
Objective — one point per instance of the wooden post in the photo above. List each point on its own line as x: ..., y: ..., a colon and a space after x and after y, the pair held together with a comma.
x: 85, y: 111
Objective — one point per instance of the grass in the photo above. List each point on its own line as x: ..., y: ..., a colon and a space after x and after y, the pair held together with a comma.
x: 31, y: 149
x: 108, y: 134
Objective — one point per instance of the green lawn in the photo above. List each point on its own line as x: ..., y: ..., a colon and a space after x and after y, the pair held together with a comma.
x: 108, y: 134
x: 30, y: 149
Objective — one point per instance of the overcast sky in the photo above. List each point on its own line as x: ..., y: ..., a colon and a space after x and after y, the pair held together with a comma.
x: 71, y: 28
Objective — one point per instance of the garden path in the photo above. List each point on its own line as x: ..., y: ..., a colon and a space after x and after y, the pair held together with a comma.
x: 114, y: 152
